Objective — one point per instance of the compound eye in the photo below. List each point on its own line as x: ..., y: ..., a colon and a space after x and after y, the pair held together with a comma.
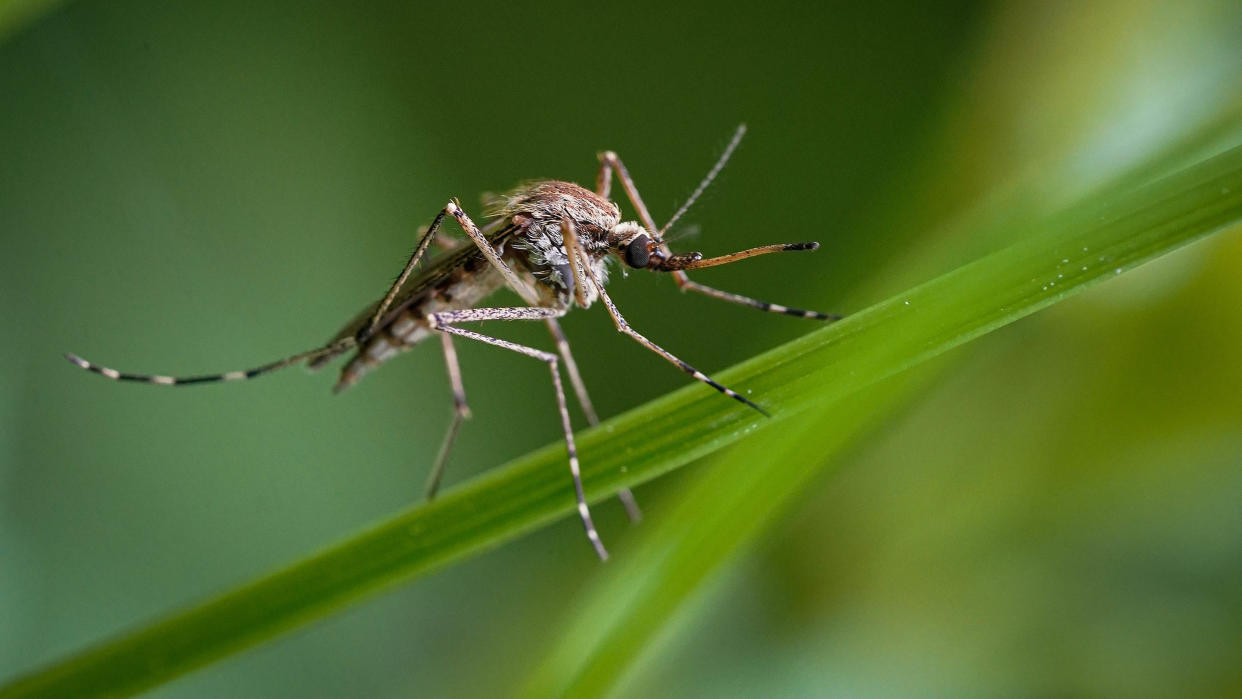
x: 638, y: 252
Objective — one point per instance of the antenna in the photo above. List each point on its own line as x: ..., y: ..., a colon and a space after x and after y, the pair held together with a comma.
x: 707, y: 179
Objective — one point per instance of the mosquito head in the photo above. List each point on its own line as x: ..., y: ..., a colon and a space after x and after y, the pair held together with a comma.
x: 638, y: 249
x: 630, y: 241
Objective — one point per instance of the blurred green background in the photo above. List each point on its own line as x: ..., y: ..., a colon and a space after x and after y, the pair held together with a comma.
x: 197, y: 187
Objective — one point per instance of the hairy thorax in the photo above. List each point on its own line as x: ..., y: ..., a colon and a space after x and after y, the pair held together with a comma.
x: 539, y: 209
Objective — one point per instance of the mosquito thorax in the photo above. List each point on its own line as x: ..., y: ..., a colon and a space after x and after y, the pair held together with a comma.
x: 545, y: 203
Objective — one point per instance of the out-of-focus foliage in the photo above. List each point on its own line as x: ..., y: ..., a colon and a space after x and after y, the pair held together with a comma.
x: 197, y: 186
x: 15, y: 14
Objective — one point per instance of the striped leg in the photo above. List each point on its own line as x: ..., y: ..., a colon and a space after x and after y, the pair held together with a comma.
x: 343, y: 345
x: 446, y: 323
x: 425, y: 242
x: 461, y: 412
x: 576, y: 256
x: 575, y: 379
x: 610, y: 162
x: 688, y: 284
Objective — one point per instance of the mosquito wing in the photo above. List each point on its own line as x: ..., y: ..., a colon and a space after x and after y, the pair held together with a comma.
x: 440, y: 269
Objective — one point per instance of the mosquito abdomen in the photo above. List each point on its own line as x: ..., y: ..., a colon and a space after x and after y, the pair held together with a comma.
x: 459, y: 288
x: 405, y: 331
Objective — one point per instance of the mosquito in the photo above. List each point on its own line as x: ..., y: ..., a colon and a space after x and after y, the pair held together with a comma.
x: 551, y: 243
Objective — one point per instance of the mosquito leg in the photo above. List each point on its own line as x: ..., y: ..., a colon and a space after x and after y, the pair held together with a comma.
x: 691, y: 285
x: 624, y: 327
x: 679, y: 263
x: 523, y: 289
x: 584, y: 400
x: 575, y: 378
x: 461, y: 412
x: 432, y: 234
x: 445, y: 241
x: 342, y: 345
x: 574, y: 250
x: 609, y: 162
x: 417, y: 255
x: 446, y: 323
x: 603, y: 178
